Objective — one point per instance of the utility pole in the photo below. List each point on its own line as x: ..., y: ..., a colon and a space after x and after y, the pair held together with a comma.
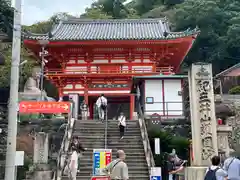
x: 13, y: 99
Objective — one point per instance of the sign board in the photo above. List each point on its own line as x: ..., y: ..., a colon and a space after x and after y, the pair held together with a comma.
x: 156, y: 173
x: 157, y: 145
x: 44, y: 107
x: 156, y: 117
x: 155, y: 177
x: 101, y: 158
x: 19, y: 158
x: 100, y: 178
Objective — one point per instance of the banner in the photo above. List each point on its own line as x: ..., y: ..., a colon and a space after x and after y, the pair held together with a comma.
x: 101, y: 158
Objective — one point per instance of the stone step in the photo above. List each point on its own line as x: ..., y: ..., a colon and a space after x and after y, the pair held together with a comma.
x: 102, y: 136
x: 109, y: 121
x: 134, y: 158
x: 103, y: 124
x: 135, y: 177
x: 113, y: 130
x: 131, y: 173
x: 128, y: 153
x: 130, y: 168
x: 89, y: 160
x: 85, y: 163
x: 93, y: 126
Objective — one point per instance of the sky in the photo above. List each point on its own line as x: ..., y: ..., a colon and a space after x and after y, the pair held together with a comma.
x: 39, y: 10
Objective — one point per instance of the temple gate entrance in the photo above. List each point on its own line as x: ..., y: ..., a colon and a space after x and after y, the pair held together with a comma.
x: 116, y: 104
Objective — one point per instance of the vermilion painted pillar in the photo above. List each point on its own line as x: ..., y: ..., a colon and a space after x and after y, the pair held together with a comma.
x: 60, y: 93
x: 132, y: 105
x: 91, y: 109
x: 86, y: 96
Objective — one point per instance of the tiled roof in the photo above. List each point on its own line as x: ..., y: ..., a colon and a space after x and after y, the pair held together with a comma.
x: 120, y: 29
x: 232, y: 71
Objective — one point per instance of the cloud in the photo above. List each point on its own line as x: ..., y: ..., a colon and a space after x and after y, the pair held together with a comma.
x: 39, y: 10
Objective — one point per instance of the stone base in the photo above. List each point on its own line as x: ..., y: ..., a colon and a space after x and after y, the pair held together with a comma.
x: 42, y: 175
x: 195, y: 173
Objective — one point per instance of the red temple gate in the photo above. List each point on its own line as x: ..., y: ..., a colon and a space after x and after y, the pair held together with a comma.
x: 90, y: 57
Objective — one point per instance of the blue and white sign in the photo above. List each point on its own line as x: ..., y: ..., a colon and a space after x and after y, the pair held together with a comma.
x: 96, y: 163
x: 101, y: 158
x: 155, y: 177
x: 156, y: 173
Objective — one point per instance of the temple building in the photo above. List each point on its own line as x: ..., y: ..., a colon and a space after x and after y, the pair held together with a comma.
x: 91, y: 57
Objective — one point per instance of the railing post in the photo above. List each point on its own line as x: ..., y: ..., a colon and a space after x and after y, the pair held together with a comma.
x: 106, y: 127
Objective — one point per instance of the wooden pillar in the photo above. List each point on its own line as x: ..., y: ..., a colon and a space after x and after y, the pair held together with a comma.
x: 86, y: 95
x: 91, y: 111
x: 60, y: 93
x: 132, y: 105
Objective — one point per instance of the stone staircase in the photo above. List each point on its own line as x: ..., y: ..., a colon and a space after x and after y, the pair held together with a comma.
x: 92, y: 135
x: 132, y: 145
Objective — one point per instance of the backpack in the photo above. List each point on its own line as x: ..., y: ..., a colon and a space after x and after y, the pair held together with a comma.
x: 211, y: 174
x: 103, y: 106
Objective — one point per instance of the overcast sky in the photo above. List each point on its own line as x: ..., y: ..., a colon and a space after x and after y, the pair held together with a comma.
x: 39, y: 10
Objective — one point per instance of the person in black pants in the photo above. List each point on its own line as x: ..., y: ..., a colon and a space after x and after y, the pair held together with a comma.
x: 121, y: 124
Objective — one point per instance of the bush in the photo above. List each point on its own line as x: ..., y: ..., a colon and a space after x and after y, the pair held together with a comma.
x: 167, y: 143
x: 235, y: 90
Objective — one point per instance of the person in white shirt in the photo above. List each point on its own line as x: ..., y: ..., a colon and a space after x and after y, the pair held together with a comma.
x: 73, y: 165
x: 102, y: 106
x: 215, y: 171
x: 121, y: 124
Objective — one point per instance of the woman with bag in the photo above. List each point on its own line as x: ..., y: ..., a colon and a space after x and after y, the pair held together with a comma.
x: 121, y: 124
x: 72, y: 164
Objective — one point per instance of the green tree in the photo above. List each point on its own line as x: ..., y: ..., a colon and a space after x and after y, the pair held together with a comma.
x: 25, y: 70
x: 218, y: 30
x: 107, y: 9
x: 6, y: 17
x: 95, y: 13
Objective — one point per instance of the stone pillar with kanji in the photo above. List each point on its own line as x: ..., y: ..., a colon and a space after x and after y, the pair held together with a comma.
x: 40, y: 157
x: 203, y: 120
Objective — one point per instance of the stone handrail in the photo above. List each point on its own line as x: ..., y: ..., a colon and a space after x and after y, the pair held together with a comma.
x: 146, y: 143
x: 62, y: 156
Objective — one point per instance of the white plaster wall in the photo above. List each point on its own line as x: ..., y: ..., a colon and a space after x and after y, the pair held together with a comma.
x: 153, y: 88
x: 173, y: 101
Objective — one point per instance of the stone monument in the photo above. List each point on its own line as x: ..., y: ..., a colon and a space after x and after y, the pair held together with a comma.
x: 203, y: 120
x: 40, y: 157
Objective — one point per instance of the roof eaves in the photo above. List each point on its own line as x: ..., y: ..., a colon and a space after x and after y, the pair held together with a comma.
x: 228, y: 70
x: 161, y: 77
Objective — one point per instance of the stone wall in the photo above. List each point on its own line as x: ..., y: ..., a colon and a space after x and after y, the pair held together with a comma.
x: 234, y: 122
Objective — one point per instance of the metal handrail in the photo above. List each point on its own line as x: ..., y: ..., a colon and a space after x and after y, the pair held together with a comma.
x: 64, y: 147
x: 166, y: 109
x: 146, y: 143
x: 106, y: 130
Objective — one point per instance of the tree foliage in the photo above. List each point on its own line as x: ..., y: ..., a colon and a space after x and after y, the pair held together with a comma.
x: 6, y: 17
x: 219, y: 22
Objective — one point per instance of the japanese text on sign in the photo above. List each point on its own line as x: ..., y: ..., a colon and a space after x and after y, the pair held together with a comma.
x: 44, y: 107
x: 101, y: 158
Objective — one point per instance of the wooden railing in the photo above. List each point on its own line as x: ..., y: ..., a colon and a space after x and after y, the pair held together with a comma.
x: 159, y: 70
